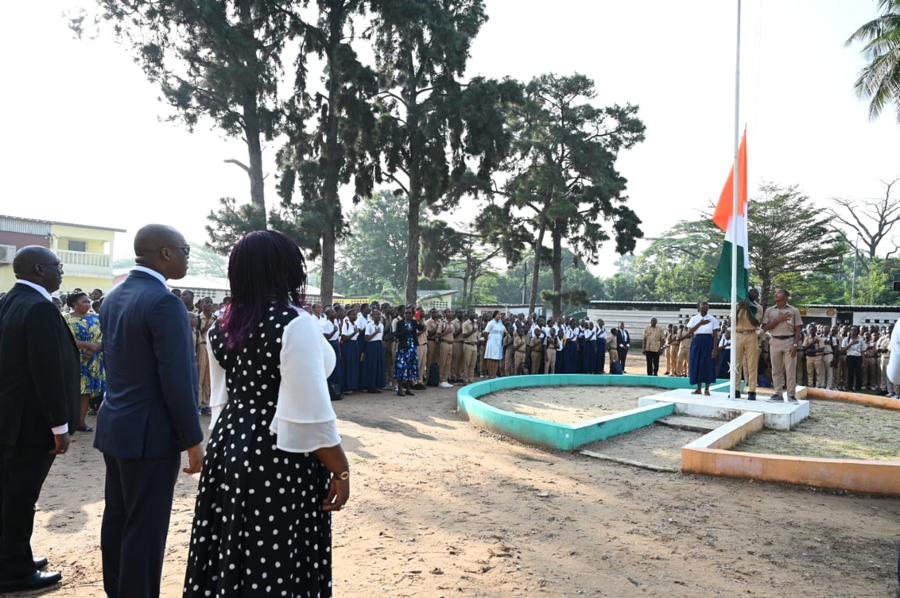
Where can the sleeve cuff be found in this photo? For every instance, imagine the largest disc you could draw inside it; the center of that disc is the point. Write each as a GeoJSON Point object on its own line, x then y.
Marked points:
{"type": "Point", "coordinates": [63, 429]}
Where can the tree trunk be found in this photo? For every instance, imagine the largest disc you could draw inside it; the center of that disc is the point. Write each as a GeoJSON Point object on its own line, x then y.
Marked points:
{"type": "Point", "coordinates": [327, 282]}
{"type": "Point", "coordinates": [415, 183]}
{"type": "Point", "coordinates": [412, 250]}
{"type": "Point", "coordinates": [536, 271]}
{"type": "Point", "coordinates": [556, 267]}
{"type": "Point", "coordinates": [331, 203]}
{"type": "Point", "coordinates": [251, 114]}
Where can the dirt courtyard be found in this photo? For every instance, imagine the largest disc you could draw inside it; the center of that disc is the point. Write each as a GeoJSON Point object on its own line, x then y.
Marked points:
{"type": "Point", "coordinates": [440, 507]}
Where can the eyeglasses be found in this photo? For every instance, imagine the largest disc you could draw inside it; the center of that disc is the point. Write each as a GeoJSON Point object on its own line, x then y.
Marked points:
{"type": "Point", "coordinates": [185, 248]}
{"type": "Point", "coordinates": [57, 265]}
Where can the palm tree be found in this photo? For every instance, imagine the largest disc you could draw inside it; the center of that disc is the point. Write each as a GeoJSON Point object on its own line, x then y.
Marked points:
{"type": "Point", "coordinates": [879, 81]}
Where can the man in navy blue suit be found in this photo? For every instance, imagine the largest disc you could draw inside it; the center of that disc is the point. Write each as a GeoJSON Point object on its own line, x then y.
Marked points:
{"type": "Point", "coordinates": [39, 398]}
{"type": "Point", "coordinates": [149, 416]}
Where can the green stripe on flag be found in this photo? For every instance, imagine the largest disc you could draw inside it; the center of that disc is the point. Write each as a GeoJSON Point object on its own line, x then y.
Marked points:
{"type": "Point", "coordinates": [721, 283]}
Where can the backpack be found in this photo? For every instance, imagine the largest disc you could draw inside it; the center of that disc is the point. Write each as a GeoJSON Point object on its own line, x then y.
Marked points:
{"type": "Point", "coordinates": [434, 375]}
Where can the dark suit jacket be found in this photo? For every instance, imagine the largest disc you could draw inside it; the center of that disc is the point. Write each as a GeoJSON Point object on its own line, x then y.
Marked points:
{"type": "Point", "coordinates": [620, 338]}
{"type": "Point", "coordinates": [40, 373]}
{"type": "Point", "coordinates": [150, 410]}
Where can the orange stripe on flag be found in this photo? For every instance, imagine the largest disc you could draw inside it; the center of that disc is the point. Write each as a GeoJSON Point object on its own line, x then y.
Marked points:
{"type": "Point", "coordinates": [726, 199]}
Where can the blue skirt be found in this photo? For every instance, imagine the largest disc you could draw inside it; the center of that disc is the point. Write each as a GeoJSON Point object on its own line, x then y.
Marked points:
{"type": "Point", "coordinates": [337, 373]}
{"type": "Point", "coordinates": [701, 365]}
{"type": "Point", "coordinates": [373, 366]}
{"type": "Point", "coordinates": [350, 358]}
{"type": "Point", "coordinates": [588, 357]}
{"type": "Point", "coordinates": [601, 356]}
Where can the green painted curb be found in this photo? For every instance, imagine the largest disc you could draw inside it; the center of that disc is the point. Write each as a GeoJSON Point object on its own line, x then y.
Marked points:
{"type": "Point", "coordinates": [563, 436]}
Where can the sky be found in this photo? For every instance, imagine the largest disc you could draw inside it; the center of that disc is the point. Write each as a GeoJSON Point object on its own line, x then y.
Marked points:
{"type": "Point", "coordinates": [85, 142]}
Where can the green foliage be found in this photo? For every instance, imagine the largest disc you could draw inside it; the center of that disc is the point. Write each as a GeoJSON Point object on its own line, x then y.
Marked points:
{"type": "Point", "coordinates": [563, 181]}
{"type": "Point", "coordinates": [373, 255]}
{"type": "Point", "coordinates": [325, 133]}
{"type": "Point", "coordinates": [219, 59]}
{"type": "Point", "coordinates": [792, 245]}
{"type": "Point", "coordinates": [879, 80]}
{"type": "Point", "coordinates": [231, 222]}
{"type": "Point", "coordinates": [428, 122]}
{"type": "Point", "coordinates": [789, 239]}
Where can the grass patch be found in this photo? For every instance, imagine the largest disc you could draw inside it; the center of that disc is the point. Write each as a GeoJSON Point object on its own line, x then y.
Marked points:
{"type": "Point", "coordinates": [834, 430]}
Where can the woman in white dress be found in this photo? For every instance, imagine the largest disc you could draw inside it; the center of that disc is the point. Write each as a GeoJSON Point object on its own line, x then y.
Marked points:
{"type": "Point", "coordinates": [493, 350]}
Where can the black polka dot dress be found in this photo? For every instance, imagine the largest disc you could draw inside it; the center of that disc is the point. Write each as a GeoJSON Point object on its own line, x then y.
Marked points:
{"type": "Point", "coordinates": [259, 529]}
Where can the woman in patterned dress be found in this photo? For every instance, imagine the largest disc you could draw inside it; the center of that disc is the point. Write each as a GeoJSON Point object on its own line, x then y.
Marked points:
{"type": "Point", "coordinates": [274, 467]}
{"type": "Point", "coordinates": [406, 370]}
{"type": "Point", "coordinates": [85, 327]}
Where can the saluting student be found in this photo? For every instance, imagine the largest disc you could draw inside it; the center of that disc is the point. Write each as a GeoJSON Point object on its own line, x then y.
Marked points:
{"type": "Point", "coordinates": [373, 362]}
{"type": "Point", "coordinates": [350, 353]}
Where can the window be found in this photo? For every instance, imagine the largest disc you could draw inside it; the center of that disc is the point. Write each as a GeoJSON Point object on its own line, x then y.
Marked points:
{"type": "Point", "coordinates": [77, 245]}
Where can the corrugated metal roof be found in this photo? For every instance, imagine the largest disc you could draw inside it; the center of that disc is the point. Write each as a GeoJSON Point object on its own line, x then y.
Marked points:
{"type": "Point", "coordinates": [52, 222]}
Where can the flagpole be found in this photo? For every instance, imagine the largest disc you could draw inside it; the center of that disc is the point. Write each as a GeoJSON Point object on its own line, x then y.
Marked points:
{"type": "Point", "coordinates": [734, 210]}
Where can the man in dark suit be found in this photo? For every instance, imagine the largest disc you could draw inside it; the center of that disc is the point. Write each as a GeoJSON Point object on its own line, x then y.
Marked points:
{"type": "Point", "coordinates": [39, 400]}
{"type": "Point", "coordinates": [149, 415]}
{"type": "Point", "coordinates": [623, 343]}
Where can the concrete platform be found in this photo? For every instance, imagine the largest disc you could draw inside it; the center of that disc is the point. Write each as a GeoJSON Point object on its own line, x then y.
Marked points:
{"type": "Point", "coordinates": [778, 416]}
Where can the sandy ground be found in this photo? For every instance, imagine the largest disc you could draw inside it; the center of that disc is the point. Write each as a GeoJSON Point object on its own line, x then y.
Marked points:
{"type": "Point", "coordinates": [442, 508]}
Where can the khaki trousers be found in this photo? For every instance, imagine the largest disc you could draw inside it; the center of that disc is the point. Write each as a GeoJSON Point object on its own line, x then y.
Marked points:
{"type": "Point", "coordinates": [815, 371]}
{"type": "Point", "coordinates": [519, 363]}
{"type": "Point", "coordinates": [550, 361]}
{"type": "Point", "coordinates": [456, 361]}
{"type": "Point", "coordinates": [446, 350]}
{"type": "Point", "coordinates": [840, 374]}
{"type": "Point", "coordinates": [468, 367]}
{"type": "Point", "coordinates": [422, 350]}
{"type": "Point", "coordinates": [784, 367]}
{"type": "Point", "coordinates": [203, 374]}
{"type": "Point", "coordinates": [681, 363]}
{"type": "Point", "coordinates": [827, 361]}
{"type": "Point", "coordinates": [535, 360]}
{"type": "Point", "coordinates": [870, 371]}
{"type": "Point", "coordinates": [747, 357]}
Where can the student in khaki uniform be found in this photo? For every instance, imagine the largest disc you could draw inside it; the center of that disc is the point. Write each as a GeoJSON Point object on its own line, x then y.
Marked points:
{"type": "Point", "coordinates": [870, 362]}
{"type": "Point", "coordinates": [684, 352]}
{"type": "Point", "coordinates": [884, 356]}
{"type": "Point", "coordinates": [746, 342]}
{"type": "Point", "coordinates": [445, 347]}
{"type": "Point", "coordinates": [783, 323]}
{"type": "Point", "coordinates": [832, 348]}
{"type": "Point", "coordinates": [469, 336]}
{"type": "Point", "coordinates": [519, 343]}
{"type": "Point", "coordinates": [612, 348]}
{"type": "Point", "coordinates": [387, 341]}
{"type": "Point", "coordinates": [422, 348]}
{"type": "Point", "coordinates": [672, 343]}
{"type": "Point", "coordinates": [431, 328]}
{"type": "Point", "coordinates": [814, 348]}
{"type": "Point", "coordinates": [550, 342]}
{"type": "Point", "coordinates": [537, 342]}
{"type": "Point", "coordinates": [456, 358]}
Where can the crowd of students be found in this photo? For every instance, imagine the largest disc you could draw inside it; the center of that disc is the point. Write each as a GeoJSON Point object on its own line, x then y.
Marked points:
{"type": "Point", "coordinates": [381, 346]}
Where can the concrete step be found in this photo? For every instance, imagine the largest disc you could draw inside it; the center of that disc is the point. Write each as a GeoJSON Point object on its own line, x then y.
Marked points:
{"type": "Point", "coordinates": [691, 424]}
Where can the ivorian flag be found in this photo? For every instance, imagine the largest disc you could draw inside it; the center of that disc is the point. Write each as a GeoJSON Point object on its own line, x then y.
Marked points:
{"type": "Point", "coordinates": [735, 228]}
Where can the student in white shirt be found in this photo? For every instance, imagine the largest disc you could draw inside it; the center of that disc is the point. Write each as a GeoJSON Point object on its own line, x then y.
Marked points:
{"type": "Point", "coordinates": [372, 377]}
{"type": "Point", "coordinates": [704, 347]}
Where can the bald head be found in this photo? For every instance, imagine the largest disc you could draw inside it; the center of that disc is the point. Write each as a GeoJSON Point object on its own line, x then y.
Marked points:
{"type": "Point", "coordinates": [38, 265]}
{"type": "Point", "coordinates": [163, 249]}
{"type": "Point", "coordinates": [150, 238]}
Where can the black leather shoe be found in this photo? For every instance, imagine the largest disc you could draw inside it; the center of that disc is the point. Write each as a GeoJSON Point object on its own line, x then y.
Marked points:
{"type": "Point", "coordinates": [35, 581]}
{"type": "Point", "coordinates": [40, 564]}
{"type": "Point", "coordinates": [751, 396]}
{"type": "Point", "coordinates": [737, 394]}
